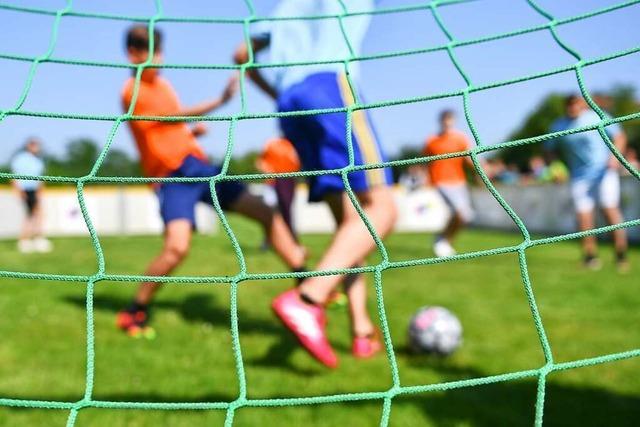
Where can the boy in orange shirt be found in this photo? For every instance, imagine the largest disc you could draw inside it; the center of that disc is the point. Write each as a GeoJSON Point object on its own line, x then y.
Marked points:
{"type": "Point", "coordinates": [448, 176]}
{"type": "Point", "coordinates": [170, 149]}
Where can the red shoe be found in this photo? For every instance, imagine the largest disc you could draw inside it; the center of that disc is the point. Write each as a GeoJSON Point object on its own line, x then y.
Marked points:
{"type": "Point", "coordinates": [367, 346]}
{"type": "Point", "coordinates": [308, 323]}
{"type": "Point", "coordinates": [134, 324]}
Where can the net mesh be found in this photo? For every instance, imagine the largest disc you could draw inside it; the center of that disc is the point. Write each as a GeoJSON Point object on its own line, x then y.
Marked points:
{"type": "Point", "coordinates": [397, 389]}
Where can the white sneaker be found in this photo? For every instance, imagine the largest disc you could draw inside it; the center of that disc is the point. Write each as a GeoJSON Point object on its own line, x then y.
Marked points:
{"type": "Point", "coordinates": [42, 245]}
{"type": "Point", "coordinates": [25, 246]}
{"type": "Point", "coordinates": [442, 248]}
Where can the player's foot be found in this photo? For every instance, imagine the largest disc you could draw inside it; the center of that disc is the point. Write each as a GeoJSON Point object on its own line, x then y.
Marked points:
{"type": "Point", "coordinates": [592, 262]}
{"type": "Point", "coordinates": [307, 322]}
{"type": "Point", "coordinates": [442, 248]}
{"type": "Point", "coordinates": [367, 346]}
{"type": "Point", "coordinates": [622, 263]}
{"type": "Point", "coordinates": [337, 300]}
{"type": "Point", "coordinates": [42, 245]}
{"type": "Point", "coordinates": [134, 323]}
{"type": "Point", "coordinates": [25, 246]}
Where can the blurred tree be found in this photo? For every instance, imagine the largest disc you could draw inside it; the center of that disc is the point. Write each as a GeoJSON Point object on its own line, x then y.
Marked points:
{"type": "Point", "coordinates": [407, 151]}
{"type": "Point", "coordinates": [619, 101]}
{"type": "Point", "coordinates": [538, 122]}
{"type": "Point", "coordinates": [245, 164]}
{"type": "Point", "coordinates": [118, 163]}
{"type": "Point", "coordinates": [80, 156]}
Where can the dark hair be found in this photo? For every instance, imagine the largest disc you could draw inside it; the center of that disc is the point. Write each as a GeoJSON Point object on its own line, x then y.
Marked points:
{"type": "Point", "coordinates": [446, 114]}
{"type": "Point", "coordinates": [138, 38]}
{"type": "Point", "coordinates": [571, 99]}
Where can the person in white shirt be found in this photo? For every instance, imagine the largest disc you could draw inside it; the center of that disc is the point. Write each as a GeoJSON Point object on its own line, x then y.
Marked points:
{"type": "Point", "coordinates": [29, 162]}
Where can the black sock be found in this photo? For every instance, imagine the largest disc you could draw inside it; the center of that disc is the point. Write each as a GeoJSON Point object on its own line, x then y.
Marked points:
{"type": "Point", "coordinates": [305, 298]}
{"type": "Point", "coordinates": [302, 269]}
{"type": "Point", "coordinates": [136, 306]}
{"type": "Point", "coordinates": [621, 256]}
{"type": "Point", "coordinates": [590, 257]}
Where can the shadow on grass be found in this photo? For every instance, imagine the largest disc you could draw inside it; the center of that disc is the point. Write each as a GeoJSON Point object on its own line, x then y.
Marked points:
{"type": "Point", "coordinates": [203, 308]}
{"type": "Point", "coordinates": [509, 403]}
{"type": "Point", "coordinates": [501, 404]}
{"type": "Point", "coordinates": [513, 404]}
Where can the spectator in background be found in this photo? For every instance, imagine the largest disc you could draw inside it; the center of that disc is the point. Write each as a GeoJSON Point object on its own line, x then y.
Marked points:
{"type": "Point", "coordinates": [503, 173]}
{"type": "Point", "coordinates": [29, 162]}
{"type": "Point", "coordinates": [541, 172]}
{"type": "Point", "coordinates": [448, 177]}
{"type": "Point", "coordinates": [279, 156]}
{"type": "Point", "coordinates": [594, 176]}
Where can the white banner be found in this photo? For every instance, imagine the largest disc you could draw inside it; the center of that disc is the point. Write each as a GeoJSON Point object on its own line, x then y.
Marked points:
{"type": "Point", "coordinates": [544, 209]}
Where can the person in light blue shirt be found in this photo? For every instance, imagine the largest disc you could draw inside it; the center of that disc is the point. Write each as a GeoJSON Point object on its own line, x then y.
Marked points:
{"type": "Point", "coordinates": [29, 162]}
{"type": "Point", "coordinates": [594, 175]}
{"type": "Point", "coordinates": [323, 142]}
{"type": "Point", "coordinates": [294, 41]}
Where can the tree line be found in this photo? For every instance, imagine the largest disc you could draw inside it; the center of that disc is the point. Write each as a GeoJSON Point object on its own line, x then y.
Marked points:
{"type": "Point", "coordinates": [81, 154]}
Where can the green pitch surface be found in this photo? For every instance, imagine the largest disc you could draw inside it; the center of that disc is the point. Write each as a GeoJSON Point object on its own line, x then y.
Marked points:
{"type": "Point", "coordinates": [586, 314]}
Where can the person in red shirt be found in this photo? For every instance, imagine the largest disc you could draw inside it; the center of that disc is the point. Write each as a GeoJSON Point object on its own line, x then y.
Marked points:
{"type": "Point", "coordinates": [170, 149]}
{"type": "Point", "coordinates": [449, 178]}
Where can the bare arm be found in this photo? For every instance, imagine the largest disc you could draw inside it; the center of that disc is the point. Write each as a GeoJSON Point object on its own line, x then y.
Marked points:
{"type": "Point", "coordinates": [241, 56]}
{"type": "Point", "coordinates": [207, 106]}
{"type": "Point", "coordinates": [620, 141]}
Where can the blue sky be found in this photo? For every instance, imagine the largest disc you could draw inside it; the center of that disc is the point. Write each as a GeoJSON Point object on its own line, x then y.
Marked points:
{"type": "Point", "coordinates": [496, 112]}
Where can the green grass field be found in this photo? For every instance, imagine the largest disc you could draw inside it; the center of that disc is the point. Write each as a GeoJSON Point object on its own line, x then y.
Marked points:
{"type": "Point", "coordinates": [42, 350]}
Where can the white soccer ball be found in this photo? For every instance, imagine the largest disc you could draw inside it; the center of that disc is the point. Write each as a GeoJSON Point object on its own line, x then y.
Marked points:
{"type": "Point", "coordinates": [435, 330]}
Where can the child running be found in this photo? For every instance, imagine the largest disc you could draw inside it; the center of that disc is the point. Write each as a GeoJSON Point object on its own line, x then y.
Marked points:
{"type": "Point", "coordinates": [448, 176]}
{"type": "Point", "coordinates": [321, 142]}
{"type": "Point", "coordinates": [170, 149]}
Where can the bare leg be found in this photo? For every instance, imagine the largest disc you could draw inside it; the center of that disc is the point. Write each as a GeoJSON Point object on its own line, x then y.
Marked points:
{"type": "Point", "coordinates": [355, 285]}
{"type": "Point", "coordinates": [586, 222]}
{"type": "Point", "coordinates": [614, 216]}
{"type": "Point", "coordinates": [285, 190]}
{"type": "Point", "coordinates": [352, 241]}
{"type": "Point", "coordinates": [177, 240]}
{"type": "Point", "coordinates": [37, 217]}
{"type": "Point", "coordinates": [356, 289]}
{"type": "Point", "coordinates": [25, 230]}
{"type": "Point", "coordinates": [453, 227]}
{"type": "Point", "coordinates": [275, 228]}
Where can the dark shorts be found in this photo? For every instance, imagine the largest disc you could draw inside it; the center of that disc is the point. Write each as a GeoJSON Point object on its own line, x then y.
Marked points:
{"type": "Point", "coordinates": [30, 200]}
{"type": "Point", "coordinates": [321, 139]}
{"type": "Point", "coordinates": [178, 199]}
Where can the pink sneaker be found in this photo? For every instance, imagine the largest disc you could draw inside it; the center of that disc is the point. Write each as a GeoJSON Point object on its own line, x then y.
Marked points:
{"type": "Point", "coordinates": [307, 322]}
{"type": "Point", "coordinates": [365, 347]}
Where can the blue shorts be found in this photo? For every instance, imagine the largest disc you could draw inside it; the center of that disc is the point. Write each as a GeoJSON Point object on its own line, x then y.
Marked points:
{"type": "Point", "coordinates": [178, 199]}
{"type": "Point", "coordinates": [321, 139]}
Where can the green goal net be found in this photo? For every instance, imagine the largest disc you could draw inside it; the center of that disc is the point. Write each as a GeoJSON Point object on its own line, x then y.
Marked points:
{"type": "Point", "coordinates": [385, 397]}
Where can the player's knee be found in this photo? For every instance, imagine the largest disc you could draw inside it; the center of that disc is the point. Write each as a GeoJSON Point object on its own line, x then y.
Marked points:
{"type": "Point", "coordinates": [176, 252]}
{"type": "Point", "coordinates": [385, 203]}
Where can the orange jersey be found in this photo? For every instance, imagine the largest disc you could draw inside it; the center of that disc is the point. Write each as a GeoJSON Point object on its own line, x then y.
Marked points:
{"type": "Point", "coordinates": [278, 156]}
{"type": "Point", "coordinates": [163, 146]}
{"type": "Point", "coordinates": [447, 171]}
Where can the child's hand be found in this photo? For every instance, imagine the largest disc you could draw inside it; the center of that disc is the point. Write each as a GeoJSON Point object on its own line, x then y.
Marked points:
{"type": "Point", "coordinates": [199, 129]}
{"type": "Point", "coordinates": [231, 89]}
